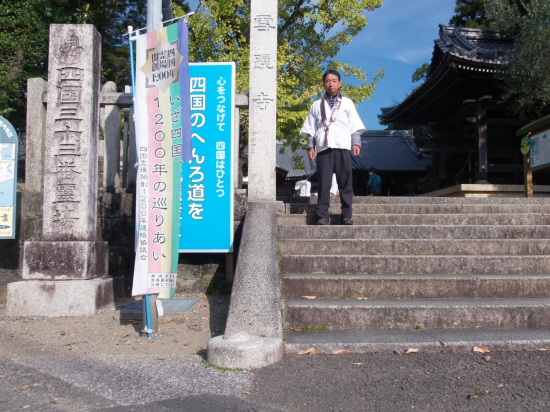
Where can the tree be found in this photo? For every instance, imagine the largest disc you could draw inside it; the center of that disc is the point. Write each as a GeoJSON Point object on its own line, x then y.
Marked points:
{"type": "Point", "coordinates": [526, 75]}
{"type": "Point", "coordinates": [310, 35]}
{"type": "Point", "coordinates": [472, 14]}
{"type": "Point", "coordinates": [24, 32]}
{"type": "Point", "coordinates": [24, 38]}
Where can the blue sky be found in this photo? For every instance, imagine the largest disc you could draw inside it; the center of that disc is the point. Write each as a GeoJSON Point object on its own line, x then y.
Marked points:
{"type": "Point", "coordinates": [398, 37]}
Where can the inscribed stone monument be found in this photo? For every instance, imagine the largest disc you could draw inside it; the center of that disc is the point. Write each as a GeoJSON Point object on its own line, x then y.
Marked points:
{"type": "Point", "coordinates": [69, 249]}
{"type": "Point", "coordinates": [262, 100]}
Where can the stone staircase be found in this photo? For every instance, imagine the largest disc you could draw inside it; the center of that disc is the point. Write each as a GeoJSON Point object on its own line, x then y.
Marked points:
{"type": "Point", "coordinates": [434, 273]}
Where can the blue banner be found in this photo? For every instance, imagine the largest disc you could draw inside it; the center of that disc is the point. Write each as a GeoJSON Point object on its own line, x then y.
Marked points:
{"type": "Point", "coordinates": [207, 180]}
{"type": "Point", "coordinates": [8, 179]}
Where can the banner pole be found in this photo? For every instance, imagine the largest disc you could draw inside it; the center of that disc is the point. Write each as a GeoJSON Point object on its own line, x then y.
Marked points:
{"type": "Point", "coordinates": [145, 299]}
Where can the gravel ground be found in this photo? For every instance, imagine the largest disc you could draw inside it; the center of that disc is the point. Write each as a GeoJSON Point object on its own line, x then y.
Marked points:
{"type": "Point", "coordinates": [106, 334]}
{"type": "Point", "coordinates": [100, 363]}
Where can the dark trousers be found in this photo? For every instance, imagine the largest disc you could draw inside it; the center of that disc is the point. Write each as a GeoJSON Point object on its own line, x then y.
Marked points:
{"type": "Point", "coordinates": [331, 161]}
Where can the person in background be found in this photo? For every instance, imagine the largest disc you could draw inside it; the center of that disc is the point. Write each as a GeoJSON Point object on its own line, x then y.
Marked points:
{"type": "Point", "coordinates": [374, 184]}
{"type": "Point", "coordinates": [334, 186]}
{"type": "Point", "coordinates": [302, 188]}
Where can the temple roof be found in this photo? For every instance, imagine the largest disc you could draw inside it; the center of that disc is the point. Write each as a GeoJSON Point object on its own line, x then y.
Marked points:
{"type": "Point", "coordinates": [390, 150]}
{"type": "Point", "coordinates": [462, 67]}
{"type": "Point", "coordinates": [386, 150]}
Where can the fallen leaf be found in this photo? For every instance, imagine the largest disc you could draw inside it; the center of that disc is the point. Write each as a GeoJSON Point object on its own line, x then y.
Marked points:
{"type": "Point", "coordinates": [69, 344]}
{"type": "Point", "coordinates": [309, 351]}
{"type": "Point", "coordinates": [245, 392]}
{"type": "Point", "coordinates": [487, 358]}
{"type": "Point", "coordinates": [477, 395]}
{"type": "Point", "coordinates": [361, 298]}
{"type": "Point", "coordinates": [309, 297]}
{"type": "Point", "coordinates": [500, 385]}
{"type": "Point", "coordinates": [339, 351]}
{"type": "Point", "coordinates": [199, 306]}
{"type": "Point", "coordinates": [63, 333]}
{"type": "Point", "coordinates": [412, 350]}
{"type": "Point", "coordinates": [543, 349]}
{"type": "Point", "coordinates": [356, 363]}
{"type": "Point", "coordinates": [481, 349]}
{"type": "Point", "coordinates": [205, 317]}
{"type": "Point", "coordinates": [22, 388]}
{"type": "Point", "coordinates": [295, 329]}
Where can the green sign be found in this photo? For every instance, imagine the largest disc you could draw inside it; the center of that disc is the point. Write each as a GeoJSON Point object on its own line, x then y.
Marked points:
{"type": "Point", "coordinates": [8, 179]}
{"type": "Point", "coordinates": [525, 145]}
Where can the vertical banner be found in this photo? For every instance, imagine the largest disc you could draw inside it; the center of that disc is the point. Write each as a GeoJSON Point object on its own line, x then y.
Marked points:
{"type": "Point", "coordinates": [207, 180]}
{"type": "Point", "coordinates": [8, 179]}
{"type": "Point", "coordinates": [163, 141]}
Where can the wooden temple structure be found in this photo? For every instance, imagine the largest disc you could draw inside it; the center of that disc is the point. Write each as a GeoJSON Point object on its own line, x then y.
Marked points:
{"type": "Point", "coordinates": [461, 102]}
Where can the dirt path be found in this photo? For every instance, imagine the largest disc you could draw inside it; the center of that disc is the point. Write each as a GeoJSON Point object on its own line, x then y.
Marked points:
{"type": "Point", "coordinates": [104, 333]}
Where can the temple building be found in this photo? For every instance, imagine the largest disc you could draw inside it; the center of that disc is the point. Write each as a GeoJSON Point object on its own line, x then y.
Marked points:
{"type": "Point", "coordinates": [473, 135]}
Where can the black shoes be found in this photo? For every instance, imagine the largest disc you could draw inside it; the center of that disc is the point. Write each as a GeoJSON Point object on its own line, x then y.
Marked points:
{"type": "Point", "coordinates": [323, 221]}
{"type": "Point", "coordinates": [347, 221]}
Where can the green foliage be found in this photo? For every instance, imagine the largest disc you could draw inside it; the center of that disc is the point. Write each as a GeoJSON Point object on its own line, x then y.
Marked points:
{"type": "Point", "coordinates": [421, 73]}
{"type": "Point", "coordinates": [526, 76]}
{"type": "Point", "coordinates": [310, 35]}
{"type": "Point", "coordinates": [24, 29]}
{"type": "Point", "coordinates": [472, 14]}
{"type": "Point", "coordinates": [24, 38]}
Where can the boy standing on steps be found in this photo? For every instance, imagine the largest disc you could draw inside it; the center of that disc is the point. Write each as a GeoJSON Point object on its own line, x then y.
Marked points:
{"type": "Point", "coordinates": [333, 130]}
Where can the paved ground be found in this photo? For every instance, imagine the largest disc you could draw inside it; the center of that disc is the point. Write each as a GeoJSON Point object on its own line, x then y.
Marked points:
{"type": "Point", "coordinates": [89, 364]}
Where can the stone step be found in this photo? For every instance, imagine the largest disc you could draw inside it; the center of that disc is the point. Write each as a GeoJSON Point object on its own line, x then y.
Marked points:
{"type": "Point", "coordinates": [430, 340]}
{"type": "Point", "coordinates": [426, 219]}
{"type": "Point", "coordinates": [293, 286]}
{"type": "Point", "coordinates": [414, 247]}
{"type": "Point", "coordinates": [408, 314]}
{"type": "Point", "coordinates": [415, 232]}
{"type": "Point", "coordinates": [301, 208]}
{"type": "Point", "coordinates": [393, 200]}
{"type": "Point", "coordinates": [416, 265]}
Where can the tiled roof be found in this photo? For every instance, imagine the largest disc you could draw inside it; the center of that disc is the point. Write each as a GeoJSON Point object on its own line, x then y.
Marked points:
{"type": "Point", "coordinates": [475, 45]}
{"type": "Point", "coordinates": [388, 150]}
{"type": "Point", "coordinates": [385, 150]}
{"type": "Point", "coordinates": [284, 161]}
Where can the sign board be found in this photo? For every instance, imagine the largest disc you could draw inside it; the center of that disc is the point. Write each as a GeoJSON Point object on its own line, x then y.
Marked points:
{"type": "Point", "coordinates": [540, 149]}
{"type": "Point", "coordinates": [207, 181]}
{"type": "Point", "coordinates": [524, 145]}
{"type": "Point", "coordinates": [8, 179]}
{"type": "Point", "coordinates": [163, 142]}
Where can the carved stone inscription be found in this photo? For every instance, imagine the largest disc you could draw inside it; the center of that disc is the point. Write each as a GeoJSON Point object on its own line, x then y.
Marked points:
{"type": "Point", "coordinates": [70, 175]}
{"type": "Point", "coordinates": [263, 100]}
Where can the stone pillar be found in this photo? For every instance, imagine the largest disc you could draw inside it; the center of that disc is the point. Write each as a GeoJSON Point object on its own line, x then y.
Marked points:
{"type": "Point", "coordinates": [69, 250]}
{"type": "Point", "coordinates": [262, 100]}
{"type": "Point", "coordinates": [109, 121]}
{"type": "Point", "coordinates": [36, 129]}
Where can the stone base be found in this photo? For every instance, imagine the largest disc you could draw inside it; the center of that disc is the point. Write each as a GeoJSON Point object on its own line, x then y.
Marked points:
{"type": "Point", "coordinates": [62, 298]}
{"type": "Point", "coordinates": [61, 260]}
{"type": "Point", "coordinates": [242, 350]}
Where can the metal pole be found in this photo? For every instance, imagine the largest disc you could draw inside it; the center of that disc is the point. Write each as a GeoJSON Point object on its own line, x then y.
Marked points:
{"type": "Point", "coordinates": [154, 14]}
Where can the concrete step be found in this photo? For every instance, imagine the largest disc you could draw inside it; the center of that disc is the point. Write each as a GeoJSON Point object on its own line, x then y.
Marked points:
{"type": "Point", "coordinates": [393, 200]}
{"type": "Point", "coordinates": [293, 286]}
{"type": "Point", "coordinates": [426, 219]}
{"type": "Point", "coordinates": [305, 208]}
{"type": "Point", "coordinates": [408, 314]}
{"type": "Point", "coordinates": [416, 265]}
{"type": "Point", "coordinates": [414, 247]}
{"type": "Point", "coordinates": [415, 232]}
{"type": "Point", "coordinates": [431, 340]}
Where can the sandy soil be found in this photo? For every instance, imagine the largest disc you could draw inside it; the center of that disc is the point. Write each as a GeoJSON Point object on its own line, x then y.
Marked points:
{"type": "Point", "coordinates": [105, 333]}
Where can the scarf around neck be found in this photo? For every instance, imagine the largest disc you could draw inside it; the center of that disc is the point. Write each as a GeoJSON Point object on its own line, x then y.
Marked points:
{"type": "Point", "coordinates": [337, 100]}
